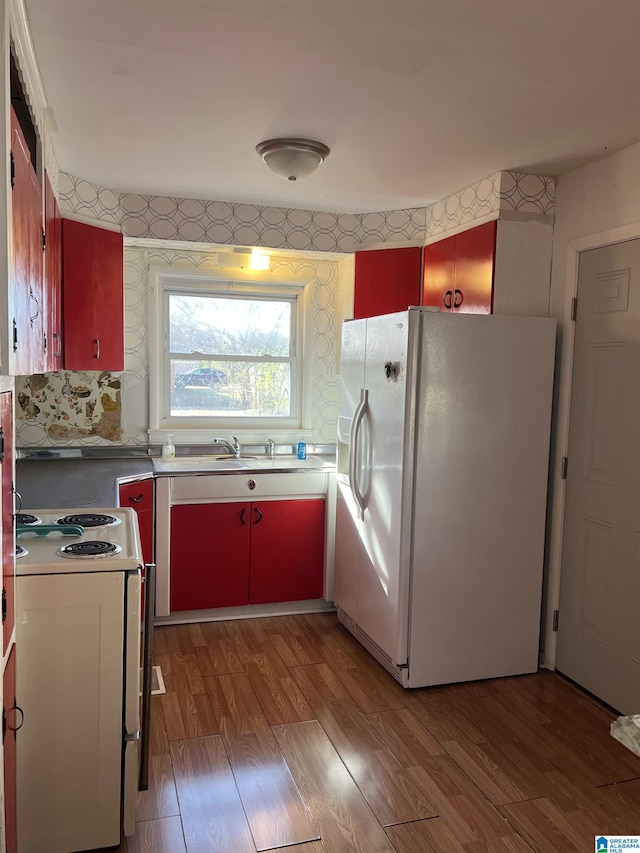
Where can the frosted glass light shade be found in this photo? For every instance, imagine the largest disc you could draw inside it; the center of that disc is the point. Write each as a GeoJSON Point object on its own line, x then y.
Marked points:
{"type": "Point", "coordinates": [292, 159]}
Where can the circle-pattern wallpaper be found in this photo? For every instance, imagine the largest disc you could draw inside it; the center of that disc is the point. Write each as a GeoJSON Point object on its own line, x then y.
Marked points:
{"type": "Point", "coordinates": [184, 220]}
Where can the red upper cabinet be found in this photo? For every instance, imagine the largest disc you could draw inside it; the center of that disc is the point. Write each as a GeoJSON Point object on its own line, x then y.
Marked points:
{"type": "Point", "coordinates": [386, 280]}
{"type": "Point", "coordinates": [438, 274]}
{"type": "Point", "coordinates": [458, 271]}
{"type": "Point", "coordinates": [52, 280]}
{"type": "Point", "coordinates": [26, 291]}
{"type": "Point", "coordinates": [8, 542]}
{"type": "Point", "coordinates": [93, 297]}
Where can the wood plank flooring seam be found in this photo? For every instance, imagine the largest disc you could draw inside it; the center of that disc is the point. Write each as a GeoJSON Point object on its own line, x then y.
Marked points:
{"type": "Point", "coordinates": [617, 782]}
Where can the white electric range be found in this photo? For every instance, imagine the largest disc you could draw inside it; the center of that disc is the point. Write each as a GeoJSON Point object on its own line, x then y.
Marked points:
{"type": "Point", "coordinates": [78, 633]}
{"type": "Point", "coordinates": [105, 539]}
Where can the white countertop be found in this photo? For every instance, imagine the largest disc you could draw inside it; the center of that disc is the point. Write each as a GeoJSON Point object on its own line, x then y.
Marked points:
{"type": "Point", "coordinates": [212, 465]}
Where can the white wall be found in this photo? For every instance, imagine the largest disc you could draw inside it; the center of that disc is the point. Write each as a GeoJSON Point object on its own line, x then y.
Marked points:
{"type": "Point", "coordinates": [596, 198]}
{"type": "Point", "coordinates": [594, 205]}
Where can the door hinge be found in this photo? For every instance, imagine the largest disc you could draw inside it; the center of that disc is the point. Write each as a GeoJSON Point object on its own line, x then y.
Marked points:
{"type": "Point", "coordinates": [13, 170]}
{"type": "Point", "coordinates": [563, 467]}
{"type": "Point", "coordinates": [556, 619]}
{"type": "Point", "coordinates": [4, 604]}
{"type": "Point", "coordinates": [44, 241]}
{"type": "Point", "coordinates": [574, 307]}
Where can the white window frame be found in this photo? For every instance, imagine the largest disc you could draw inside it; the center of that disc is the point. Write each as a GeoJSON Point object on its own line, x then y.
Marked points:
{"type": "Point", "coordinates": [164, 281]}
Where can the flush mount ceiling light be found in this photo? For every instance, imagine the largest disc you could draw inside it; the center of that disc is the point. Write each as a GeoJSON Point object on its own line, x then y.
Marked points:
{"type": "Point", "coordinates": [292, 159]}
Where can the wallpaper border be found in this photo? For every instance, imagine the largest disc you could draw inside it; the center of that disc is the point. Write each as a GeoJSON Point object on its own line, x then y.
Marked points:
{"type": "Point", "coordinates": [227, 223]}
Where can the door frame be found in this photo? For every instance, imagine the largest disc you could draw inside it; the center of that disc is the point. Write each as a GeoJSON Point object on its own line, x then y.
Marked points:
{"type": "Point", "coordinates": [562, 422]}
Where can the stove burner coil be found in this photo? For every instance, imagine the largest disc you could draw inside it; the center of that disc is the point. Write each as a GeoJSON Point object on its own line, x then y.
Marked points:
{"type": "Point", "coordinates": [24, 518]}
{"type": "Point", "coordinates": [89, 519]}
{"type": "Point", "coordinates": [90, 549]}
{"type": "Point", "coordinates": [20, 551]}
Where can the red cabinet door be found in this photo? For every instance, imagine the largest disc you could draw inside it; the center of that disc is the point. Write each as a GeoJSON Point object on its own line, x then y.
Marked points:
{"type": "Point", "coordinates": [52, 279]}
{"type": "Point", "coordinates": [438, 274]}
{"type": "Point", "coordinates": [26, 291]}
{"type": "Point", "coordinates": [287, 550]}
{"type": "Point", "coordinates": [386, 280]}
{"type": "Point", "coordinates": [11, 721]}
{"type": "Point", "coordinates": [8, 542]}
{"type": "Point", "coordinates": [209, 555]}
{"type": "Point", "coordinates": [473, 284]}
{"type": "Point", "coordinates": [139, 496]}
{"type": "Point", "coordinates": [458, 271]}
{"type": "Point", "coordinates": [93, 297]}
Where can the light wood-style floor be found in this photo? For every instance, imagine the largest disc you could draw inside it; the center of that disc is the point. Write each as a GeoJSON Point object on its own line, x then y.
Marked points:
{"type": "Point", "coordinates": [284, 731]}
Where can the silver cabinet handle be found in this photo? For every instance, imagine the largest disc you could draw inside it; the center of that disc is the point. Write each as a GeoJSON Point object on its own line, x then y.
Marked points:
{"type": "Point", "coordinates": [96, 343]}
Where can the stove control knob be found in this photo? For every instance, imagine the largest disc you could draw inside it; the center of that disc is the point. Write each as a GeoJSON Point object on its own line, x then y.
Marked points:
{"type": "Point", "coordinates": [251, 484]}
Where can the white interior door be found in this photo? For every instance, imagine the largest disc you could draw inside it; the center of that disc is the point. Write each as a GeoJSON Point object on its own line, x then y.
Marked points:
{"type": "Point", "coordinates": [599, 624]}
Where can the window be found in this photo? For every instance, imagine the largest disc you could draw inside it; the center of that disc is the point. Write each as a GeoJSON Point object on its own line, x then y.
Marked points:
{"type": "Point", "coordinates": [230, 354]}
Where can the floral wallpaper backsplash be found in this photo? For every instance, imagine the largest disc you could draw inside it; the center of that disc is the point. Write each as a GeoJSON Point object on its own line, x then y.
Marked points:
{"type": "Point", "coordinates": [68, 406]}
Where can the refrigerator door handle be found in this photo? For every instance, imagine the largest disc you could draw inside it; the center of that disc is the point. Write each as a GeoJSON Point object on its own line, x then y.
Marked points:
{"type": "Point", "coordinates": [358, 417]}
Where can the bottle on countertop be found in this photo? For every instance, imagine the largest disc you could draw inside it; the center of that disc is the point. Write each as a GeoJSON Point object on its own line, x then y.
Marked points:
{"type": "Point", "coordinates": [168, 448]}
{"type": "Point", "coordinates": [302, 450]}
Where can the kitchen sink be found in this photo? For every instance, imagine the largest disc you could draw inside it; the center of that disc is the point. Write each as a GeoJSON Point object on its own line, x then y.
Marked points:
{"type": "Point", "coordinates": [213, 464]}
{"type": "Point", "coordinates": [199, 463]}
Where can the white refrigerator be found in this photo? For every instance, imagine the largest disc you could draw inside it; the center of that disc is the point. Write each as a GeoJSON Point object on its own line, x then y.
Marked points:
{"type": "Point", "coordinates": [443, 450]}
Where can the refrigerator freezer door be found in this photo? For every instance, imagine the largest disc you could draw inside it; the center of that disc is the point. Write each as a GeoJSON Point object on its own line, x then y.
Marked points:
{"type": "Point", "coordinates": [351, 374]}
{"type": "Point", "coordinates": [381, 614]}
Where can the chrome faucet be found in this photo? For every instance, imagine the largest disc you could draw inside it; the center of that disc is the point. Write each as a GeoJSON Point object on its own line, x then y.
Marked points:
{"type": "Point", "coordinates": [236, 446]}
{"type": "Point", "coordinates": [230, 447]}
{"type": "Point", "coordinates": [272, 447]}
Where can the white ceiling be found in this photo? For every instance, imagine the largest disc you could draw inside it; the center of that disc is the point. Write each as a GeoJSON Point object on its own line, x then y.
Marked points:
{"type": "Point", "coordinates": [415, 98]}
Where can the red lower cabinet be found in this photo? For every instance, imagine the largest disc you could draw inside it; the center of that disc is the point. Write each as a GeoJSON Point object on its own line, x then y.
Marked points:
{"type": "Point", "coordinates": [139, 496]}
{"type": "Point", "coordinates": [209, 555]}
{"type": "Point", "coordinates": [11, 721]}
{"type": "Point", "coordinates": [246, 553]}
{"type": "Point", "coordinates": [287, 551]}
